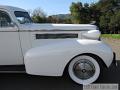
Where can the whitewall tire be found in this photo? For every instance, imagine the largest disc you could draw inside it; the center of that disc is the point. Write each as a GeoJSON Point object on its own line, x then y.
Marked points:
{"type": "Point", "coordinates": [84, 70]}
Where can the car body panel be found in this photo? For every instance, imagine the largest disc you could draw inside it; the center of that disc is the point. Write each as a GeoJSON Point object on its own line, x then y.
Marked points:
{"type": "Point", "coordinates": [51, 59]}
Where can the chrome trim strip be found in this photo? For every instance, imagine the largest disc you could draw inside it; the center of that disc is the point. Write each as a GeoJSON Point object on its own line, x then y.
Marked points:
{"type": "Point", "coordinates": [42, 30]}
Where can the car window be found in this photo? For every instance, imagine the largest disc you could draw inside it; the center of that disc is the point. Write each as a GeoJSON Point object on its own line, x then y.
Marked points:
{"type": "Point", "coordinates": [23, 17]}
{"type": "Point", "coordinates": [4, 19]}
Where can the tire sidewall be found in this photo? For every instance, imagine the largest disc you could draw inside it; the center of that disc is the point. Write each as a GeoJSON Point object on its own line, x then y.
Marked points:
{"type": "Point", "coordinates": [78, 80]}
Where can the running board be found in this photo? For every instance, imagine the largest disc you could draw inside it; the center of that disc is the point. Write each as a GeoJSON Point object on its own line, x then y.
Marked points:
{"type": "Point", "coordinates": [12, 69]}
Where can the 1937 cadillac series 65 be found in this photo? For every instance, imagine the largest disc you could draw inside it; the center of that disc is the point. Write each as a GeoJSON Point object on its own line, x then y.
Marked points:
{"type": "Point", "coordinates": [50, 49]}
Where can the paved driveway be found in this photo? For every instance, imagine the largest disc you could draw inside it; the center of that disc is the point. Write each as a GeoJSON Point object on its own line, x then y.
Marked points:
{"type": "Point", "coordinates": [28, 82]}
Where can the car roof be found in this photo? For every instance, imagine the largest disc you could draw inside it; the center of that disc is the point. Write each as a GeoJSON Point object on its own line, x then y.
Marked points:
{"type": "Point", "coordinates": [11, 8]}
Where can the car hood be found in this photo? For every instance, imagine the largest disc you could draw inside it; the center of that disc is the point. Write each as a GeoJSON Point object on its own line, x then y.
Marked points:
{"type": "Point", "coordinates": [33, 26]}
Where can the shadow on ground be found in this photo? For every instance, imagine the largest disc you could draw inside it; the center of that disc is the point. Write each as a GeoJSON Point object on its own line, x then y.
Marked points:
{"type": "Point", "coordinates": [28, 82]}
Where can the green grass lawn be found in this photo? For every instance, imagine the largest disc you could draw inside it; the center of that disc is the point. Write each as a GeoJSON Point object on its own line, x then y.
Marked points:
{"type": "Point", "coordinates": [114, 36]}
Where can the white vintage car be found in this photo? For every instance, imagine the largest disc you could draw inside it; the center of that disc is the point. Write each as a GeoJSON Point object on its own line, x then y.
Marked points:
{"type": "Point", "coordinates": [50, 49]}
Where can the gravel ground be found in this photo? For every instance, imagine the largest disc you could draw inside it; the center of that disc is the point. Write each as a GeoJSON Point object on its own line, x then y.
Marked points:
{"type": "Point", "coordinates": [115, 44]}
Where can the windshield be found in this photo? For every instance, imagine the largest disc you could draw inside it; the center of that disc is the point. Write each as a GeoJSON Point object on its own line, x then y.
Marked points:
{"type": "Point", "coordinates": [23, 17]}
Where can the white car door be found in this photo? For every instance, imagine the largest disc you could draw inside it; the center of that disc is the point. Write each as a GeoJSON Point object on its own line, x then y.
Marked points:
{"type": "Point", "coordinates": [10, 49]}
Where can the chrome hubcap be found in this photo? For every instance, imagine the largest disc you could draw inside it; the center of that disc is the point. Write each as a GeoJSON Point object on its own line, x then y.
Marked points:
{"type": "Point", "coordinates": [84, 69]}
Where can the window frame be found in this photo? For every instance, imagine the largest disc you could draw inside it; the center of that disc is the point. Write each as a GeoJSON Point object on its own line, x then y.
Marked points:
{"type": "Point", "coordinates": [16, 12]}
{"type": "Point", "coordinates": [9, 18]}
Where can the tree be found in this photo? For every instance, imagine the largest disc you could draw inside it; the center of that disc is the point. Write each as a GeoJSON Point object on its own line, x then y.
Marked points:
{"type": "Point", "coordinates": [104, 24]}
{"type": "Point", "coordinates": [54, 19]}
{"type": "Point", "coordinates": [80, 13]}
{"type": "Point", "coordinates": [38, 16]}
{"type": "Point", "coordinates": [83, 13]}
{"type": "Point", "coordinates": [75, 12]}
{"type": "Point", "coordinates": [115, 23]}
{"type": "Point", "coordinates": [109, 15]}
{"type": "Point", "coordinates": [86, 13]}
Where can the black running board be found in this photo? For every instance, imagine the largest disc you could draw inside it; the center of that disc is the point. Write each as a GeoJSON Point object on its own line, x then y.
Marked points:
{"type": "Point", "coordinates": [12, 69]}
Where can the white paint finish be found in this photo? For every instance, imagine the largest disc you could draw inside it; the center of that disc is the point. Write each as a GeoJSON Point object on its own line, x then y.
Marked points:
{"type": "Point", "coordinates": [8, 29]}
{"type": "Point", "coordinates": [10, 50]}
{"type": "Point", "coordinates": [25, 39]}
{"type": "Point", "coordinates": [92, 34]}
{"type": "Point", "coordinates": [11, 8]}
{"type": "Point", "coordinates": [49, 27]}
{"type": "Point", "coordinates": [51, 59]}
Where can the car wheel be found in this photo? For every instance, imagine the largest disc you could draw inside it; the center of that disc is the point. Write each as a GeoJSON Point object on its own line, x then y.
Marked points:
{"type": "Point", "coordinates": [84, 70]}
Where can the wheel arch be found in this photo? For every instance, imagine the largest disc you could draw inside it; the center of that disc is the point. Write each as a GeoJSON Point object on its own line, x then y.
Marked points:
{"type": "Point", "coordinates": [96, 57]}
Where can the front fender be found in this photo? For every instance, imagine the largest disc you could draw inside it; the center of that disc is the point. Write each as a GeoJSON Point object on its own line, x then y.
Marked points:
{"type": "Point", "coordinates": [51, 59]}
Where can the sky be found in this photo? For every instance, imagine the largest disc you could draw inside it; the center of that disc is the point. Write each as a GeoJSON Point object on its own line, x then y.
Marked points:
{"type": "Point", "coordinates": [50, 7]}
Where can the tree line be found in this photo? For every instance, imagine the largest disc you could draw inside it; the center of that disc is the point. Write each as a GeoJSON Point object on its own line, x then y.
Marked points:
{"type": "Point", "coordinates": [105, 14]}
